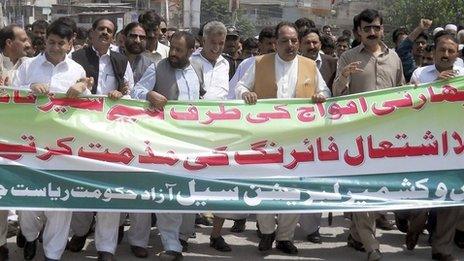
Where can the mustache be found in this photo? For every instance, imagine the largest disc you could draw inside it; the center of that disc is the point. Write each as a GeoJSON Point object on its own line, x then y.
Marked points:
{"type": "Point", "coordinates": [372, 37]}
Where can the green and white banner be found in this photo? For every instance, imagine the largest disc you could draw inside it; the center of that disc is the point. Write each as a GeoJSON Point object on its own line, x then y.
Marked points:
{"type": "Point", "coordinates": [398, 148]}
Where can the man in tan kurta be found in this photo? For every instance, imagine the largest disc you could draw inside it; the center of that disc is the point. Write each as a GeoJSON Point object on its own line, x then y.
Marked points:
{"type": "Point", "coordinates": [367, 67]}
{"type": "Point", "coordinates": [281, 75]}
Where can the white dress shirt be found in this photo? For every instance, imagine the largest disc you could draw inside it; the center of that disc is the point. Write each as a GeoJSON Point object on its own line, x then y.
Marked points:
{"type": "Point", "coordinates": [239, 73]}
{"type": "Point", "coordinates": [286, 77]}
{"type": "Point", "coordinates": [106, 78]}
{"type": "Point", "coordinates": [215, 77]}
{"type": "Point", "coordinates": [161, 52]}
{"type": "Point", "coordinates": [58, 77]}
{"type": "Point", "coordinates": [430, 73]}
{"type": "Point", "coordinates": [8, 69]}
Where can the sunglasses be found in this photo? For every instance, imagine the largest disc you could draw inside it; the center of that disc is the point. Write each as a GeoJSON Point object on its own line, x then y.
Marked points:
{"type": "Point", "coordinates": [368, 28]}
{"type": "Point", "coordinates": [135, 36]}
{"type": "Point", "coordinates": [164, 30]}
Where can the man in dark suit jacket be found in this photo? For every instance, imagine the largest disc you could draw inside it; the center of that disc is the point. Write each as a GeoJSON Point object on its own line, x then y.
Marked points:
{"type": "Point", "coordinates": [310, 46]}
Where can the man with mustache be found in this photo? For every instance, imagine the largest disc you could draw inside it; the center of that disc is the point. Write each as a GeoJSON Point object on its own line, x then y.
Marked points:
{"type": "Point", "coordinates": [112, 76]}
{"type": "Point", "coordinates": [283, 75]}
{"type": "Point", "coordinates": [310, 46]}
{"type": "Point", "coordinates": [175, 78]}
{"type": "Point", "coordinates": [367, 67]}
{"type": "Point", "coordinates": [445, 55]}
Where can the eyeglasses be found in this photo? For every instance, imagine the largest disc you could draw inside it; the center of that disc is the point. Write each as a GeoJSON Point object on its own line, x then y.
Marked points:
{"type": "Point", "coordinates": [135, 36]}
{"type": "Point", "coordinates": [368, 28]}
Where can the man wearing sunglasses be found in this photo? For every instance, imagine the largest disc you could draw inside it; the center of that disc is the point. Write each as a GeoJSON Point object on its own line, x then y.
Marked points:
{"type": "Point", "coordinates": [367, 67]}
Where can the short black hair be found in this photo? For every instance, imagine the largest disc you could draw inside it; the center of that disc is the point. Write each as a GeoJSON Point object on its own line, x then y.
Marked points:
{"type": "Point", "coordinates": [347, 33]}
{"type": "Point", "coordinates": [356, 23]}
{"type": "Point", "coordinates": [96, 22]}
{"type": "Point", "coordinates": [250, 43]}
{"type": "Point", "coordinates": [304, 22]}
{"type": "Point", "coordinates": [423, 35]}
{"type": "Point", "coordinates": [305, 31]}
{"type": "Point", "coordinates": [327, 41]}
{"type": "Point", "coordinates": [61, 29]}
{"type": "Point", "coordinates": [7, 33]}
{"type": "Point", "coordinates": [282, 24]}
{"type": "Point", "coordinates": [397, 32]}
{"type": "Point", "coordinates": [42, 24]}
{"type": "Point", "coordinates": [82, 33]}
{"type": "Point", "coordinates": [131, 26]}
{"type": "Point", "coordinates": [150, 19]}
{"type": "Point", "coordinates": [188, 37]}
{"type": "Point", "coordinates": [343, 39]}
{"type": "Point", "coordinates": [267, 32]}
{"type": "Point", "coordinates": [68, 21]}
{"type": "Point", "coordinates": [369, 15]}
{"type": "Point", "coordinates": [444, 34]}
{"type": "Point", "coordinates": [326, 26]}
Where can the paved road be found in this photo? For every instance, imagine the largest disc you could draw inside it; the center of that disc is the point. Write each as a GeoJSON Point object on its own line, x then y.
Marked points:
{"type": "Point", "coordinates": [244, 246]}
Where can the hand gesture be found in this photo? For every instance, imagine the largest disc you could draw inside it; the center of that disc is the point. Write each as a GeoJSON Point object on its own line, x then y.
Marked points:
{"type": "Point", "coordinates": [250, 97]}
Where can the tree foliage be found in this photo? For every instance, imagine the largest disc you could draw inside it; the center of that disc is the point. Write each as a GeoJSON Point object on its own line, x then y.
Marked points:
{"type": "Point", "coordinates": [409, 12]}
{"type": "Point", "coordinates": [218, 10]}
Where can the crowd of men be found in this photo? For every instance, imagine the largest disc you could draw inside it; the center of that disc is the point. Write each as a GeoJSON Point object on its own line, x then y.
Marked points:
{"type": "Point", "coordinates": [148, 61]}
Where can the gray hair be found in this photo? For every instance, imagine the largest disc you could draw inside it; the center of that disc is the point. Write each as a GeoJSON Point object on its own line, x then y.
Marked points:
{"type": "Point", "coordinates": [214, 28]}
{"type": "Point", "coordinates": [461, 36]}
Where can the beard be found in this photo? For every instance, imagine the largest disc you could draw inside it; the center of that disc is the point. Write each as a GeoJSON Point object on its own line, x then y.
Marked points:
{"type": "Point", "coordinates": [135, 48]}
{"type": "Point", "coordinates": [177, 63]}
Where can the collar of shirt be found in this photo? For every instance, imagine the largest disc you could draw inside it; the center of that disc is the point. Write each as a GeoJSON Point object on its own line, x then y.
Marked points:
{"type": "Point", "coordinates": [385, 49]}
{"type": "Point", "coordinates": [433, 69]}
{"type": "Point", "coordinates": [44, 61]}
{"type": "Point", "coordinates": [318, 60]}
{"type": "Point", "coordinates": [218, 60]}
{"type": "Point", "coordinates": [285, 63]}
{"type": "Point", "coordinates": [101, 55]}
{"type": "Point", "coordinates": [160, 48]}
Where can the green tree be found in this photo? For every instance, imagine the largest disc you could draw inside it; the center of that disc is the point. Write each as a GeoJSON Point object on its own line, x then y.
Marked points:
{"type": "Point", "coordinates": [409, 12]}
{"type": "Point", "coordinates": [218, 10]}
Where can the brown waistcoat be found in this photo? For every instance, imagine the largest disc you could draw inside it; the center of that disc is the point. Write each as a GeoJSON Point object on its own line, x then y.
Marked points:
{"type": "Point", "coordinates": [265, 78]}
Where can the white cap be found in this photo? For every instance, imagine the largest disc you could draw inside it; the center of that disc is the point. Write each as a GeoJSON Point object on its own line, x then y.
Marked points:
{"type": "Point", "coordinates": [451, 27]}
{"type": "Point", "coordinates": [436, 30]}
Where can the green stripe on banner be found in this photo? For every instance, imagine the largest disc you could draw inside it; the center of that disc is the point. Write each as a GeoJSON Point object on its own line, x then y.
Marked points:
{"type": "Point", "coordinates": [23, 188]}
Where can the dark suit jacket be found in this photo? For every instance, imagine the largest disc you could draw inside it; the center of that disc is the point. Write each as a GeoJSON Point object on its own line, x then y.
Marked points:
{"type": "Point", "coordinates": [328, 69]}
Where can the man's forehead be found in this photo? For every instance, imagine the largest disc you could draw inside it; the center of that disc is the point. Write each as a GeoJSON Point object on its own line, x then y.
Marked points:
{"type": "Point", "coordinates": [105, 23]}
{"type": "Point", "coordinates": [447, 41]}
{"type": "Point", "coordinates": [287, 30]}
{"type": "Point", "coordinates": [138, 30]}
{"type": "Point", "coordinates": [312, 36]}
{"type": "Point", "coordinates": [376, 21]}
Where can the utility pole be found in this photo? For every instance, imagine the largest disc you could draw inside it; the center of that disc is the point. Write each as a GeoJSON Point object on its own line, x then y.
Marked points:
{"type": "Point", "coordinates": [2, 22]}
